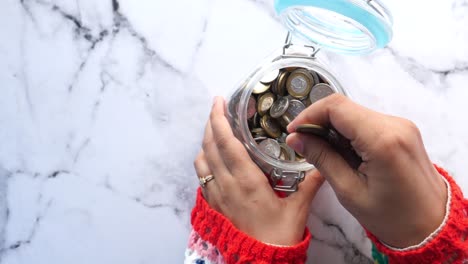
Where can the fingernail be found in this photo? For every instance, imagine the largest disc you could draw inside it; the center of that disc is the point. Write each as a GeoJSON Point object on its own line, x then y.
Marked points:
{"type": "Point", "coordinates": [290, 128]}
{"type": "Point", "coordinates": [297, 145]}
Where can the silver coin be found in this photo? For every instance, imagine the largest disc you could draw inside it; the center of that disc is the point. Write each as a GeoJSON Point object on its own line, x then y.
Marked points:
{"type": "Point", "coordinates": [260, 138]}
{"type": "Point", "coordinates": [270, 77]}
{"type": "Point", "coordinates": [288, 152]}
{"type": "Point", "coordinates": [282, 138]}
{"type": "Point", "coordinates": [320, 91]}
{"type": "Point", "coordinates": [315, 76]}
{"type": "Point", "coordinates": [295, 108]}
{"type": "Point", "coordinates": [270, 147]}
{"type": "Point", "coordinates": [279, 107]}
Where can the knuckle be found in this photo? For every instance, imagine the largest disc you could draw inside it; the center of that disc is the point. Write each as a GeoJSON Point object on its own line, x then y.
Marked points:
{"type": "Point", "coordinates": [223, 142]}
{"type": "Point", "coordinates": [410, 128]}
{"type": "Point", "coordinates": [401, 136]}
{"type": "Point", "coordinates": [207, 143]}
{"type": "Point", "coordinates": [337, 99]}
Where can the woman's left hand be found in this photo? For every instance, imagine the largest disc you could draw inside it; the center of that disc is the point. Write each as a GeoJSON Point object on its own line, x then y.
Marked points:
{"type": "Point", "coordinates": [241, 192]}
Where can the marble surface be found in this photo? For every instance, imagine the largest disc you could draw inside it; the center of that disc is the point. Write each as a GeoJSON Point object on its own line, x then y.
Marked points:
{"type": "Point", "coordinates": [103, 105]}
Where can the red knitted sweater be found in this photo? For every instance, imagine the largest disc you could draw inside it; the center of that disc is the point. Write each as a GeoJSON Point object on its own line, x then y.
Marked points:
{"type": "Point", "coordinates": [449, 246]}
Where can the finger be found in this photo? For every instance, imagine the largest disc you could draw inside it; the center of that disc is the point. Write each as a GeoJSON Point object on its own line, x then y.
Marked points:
{"type": "Point", "coordinates": [348, 118]}
{"type": "Point", "coordinates": [214, 159]}
{"type": "Point", "coordinates": [211, 190]}
{"type": "Point", "coordinates": [342, 178]}
{"type": "Point", "coordinates": [307, 189]}
{"type": "Point", "coordinates": [234, 154]}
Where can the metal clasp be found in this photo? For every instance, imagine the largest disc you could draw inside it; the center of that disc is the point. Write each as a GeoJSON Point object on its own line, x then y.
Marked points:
{"type": "Point", "coordinates": [288, 43]}
{"type": "Point", "coordinates": [286, 181]}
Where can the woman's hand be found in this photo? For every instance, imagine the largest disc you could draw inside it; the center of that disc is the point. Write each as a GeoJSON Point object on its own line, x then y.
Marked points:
{"type": "Point", "coordinates": [241, 191]}
{"type": "Point", "coordinates": [396, 193]}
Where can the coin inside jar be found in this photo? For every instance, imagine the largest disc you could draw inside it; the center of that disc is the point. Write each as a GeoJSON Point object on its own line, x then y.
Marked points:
{"type": "Point", "coordinates": [279, 97]}
{"type": "Point", "coordinates": [280, 84]}
{"type": "Point", "coordinates": [287, 152]}
{"type": "Point", "coordinates": [251, 105]}
{"type": "Point", "coordinates": [270, 77]}
{"type": "Point", "coordinates": [270, 147]}
{"type": "Point", "coordinates": [300, 83]}
{"type": "Point", "coordinates": [260, 88]}
{"type": "Point", "coordinates": [320, 91]}
{"type": "Point", "coordinates": [265, 102]}
{"type": "Point", "coordinates": [270, 126]}
{"type": "Point", "coordinates": [279, 107]}
{"type": "Point", "coordinates": [294, 109]}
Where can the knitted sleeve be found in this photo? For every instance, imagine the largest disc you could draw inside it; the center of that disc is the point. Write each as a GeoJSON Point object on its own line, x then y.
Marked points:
{"type": "Point", "coordinates": [448, 244]}
{"type": "Point", "coordinates": [215, 239]}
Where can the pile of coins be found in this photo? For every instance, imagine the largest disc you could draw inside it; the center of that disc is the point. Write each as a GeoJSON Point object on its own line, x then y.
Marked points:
{"type": "Point", "coordinates": [275, 101]}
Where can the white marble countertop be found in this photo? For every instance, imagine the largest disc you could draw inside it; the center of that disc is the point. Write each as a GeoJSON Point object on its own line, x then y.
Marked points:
{"type": "Point", "coordinates": [103, 106]}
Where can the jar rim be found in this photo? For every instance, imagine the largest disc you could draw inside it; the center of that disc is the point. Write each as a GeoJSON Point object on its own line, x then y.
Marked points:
{"type": "Point", "coordinates": [343, 26]}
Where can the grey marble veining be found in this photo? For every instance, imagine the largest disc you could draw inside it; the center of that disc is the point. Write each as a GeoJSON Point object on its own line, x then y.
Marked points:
{"type": "Point", "coordinates": [104, 103]}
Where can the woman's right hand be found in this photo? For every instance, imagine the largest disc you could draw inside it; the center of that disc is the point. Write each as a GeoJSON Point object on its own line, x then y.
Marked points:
{"type": "Point", "coordinates": [396, 193]}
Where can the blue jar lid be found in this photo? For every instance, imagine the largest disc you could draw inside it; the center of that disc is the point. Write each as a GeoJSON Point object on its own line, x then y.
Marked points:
{"type": "Point", "coordinates": [345, 26]}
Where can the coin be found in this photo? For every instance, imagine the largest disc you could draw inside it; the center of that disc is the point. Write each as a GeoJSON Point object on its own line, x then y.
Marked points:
{"type": "Point", "coordinates": [280, 83]}
{"type": "Point", "coordinates": [258, 132]}
{"type": "Point", "coordinates": [306, 101]}
{"type": "Point", "coordinates": [279, 107]}
{"type": "Point", "coordinates": [270, 77]}
{"type": "Point", "coordinates": [320, 91]}
{"type": "Point", "coordinates": [270, 126]}
{"type": "Point", "coordinates": [270, 147]}
{"type": "Point", "coordinates": [288, 152]}
{"type": "Point", "coordinates": [300, 83]}
{"type": "Point", "coordinates": [294, 109]}
{"type": "Point", "coordinates": [315, 77]}
{"type": "Point", "coordinates": [256, 120]}
{"type": "Point", "coordinates": [282, 138]}
{"type": "Point", "coordinates": [260, 88]}
{"type": "Point", "coordinates": [336, 140]}
{"type": "Point", "coordinates": [251, 107]}
{"type": "Point", "coordinates": [313, 129]}
{"type": "Point", "coordinates": [284, 121]}
{"type": "Point", "coordinates": [264, 103]}
{"type": "Point", "coordinates": [257, 139]}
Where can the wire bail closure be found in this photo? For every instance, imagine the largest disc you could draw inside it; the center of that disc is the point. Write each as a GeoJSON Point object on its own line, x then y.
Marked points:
{"type": "Point", "coordinates": [288, 43]}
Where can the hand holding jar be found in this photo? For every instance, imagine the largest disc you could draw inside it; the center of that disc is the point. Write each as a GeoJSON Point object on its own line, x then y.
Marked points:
{"type": "Point", "coordinates": [240, 191]}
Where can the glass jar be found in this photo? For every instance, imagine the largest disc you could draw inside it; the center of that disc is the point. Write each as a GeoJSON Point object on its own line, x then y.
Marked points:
{"type": "Point", "coordinates": [344, 26]}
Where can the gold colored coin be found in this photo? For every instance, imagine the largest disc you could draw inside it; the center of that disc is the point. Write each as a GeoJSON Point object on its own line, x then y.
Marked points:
{"type": "Point", "coordinates": [284, 120]}
{"type": "Point", "coordinates": [260, 88]}
{"type": "Point", "coordinates": [265, 102]}
{"type": "Point", "coordinates": [288, 152]}
{"type": "Point", "coordinates": [258, 132]}
{"type": "Point", "coordinates": [300, 83]}
{"type": "Point", "coordinates": [270, 126]}
{"type": "Point", "coordinates": [281, 83]}
{"type": "Point", "coordinates": [314, 130]}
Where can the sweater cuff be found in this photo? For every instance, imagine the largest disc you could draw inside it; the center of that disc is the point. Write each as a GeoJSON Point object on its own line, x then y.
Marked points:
{"type": "Point", "coordinates": [238, 247]}
{"type": "Point", "coordinates": [448, 244]}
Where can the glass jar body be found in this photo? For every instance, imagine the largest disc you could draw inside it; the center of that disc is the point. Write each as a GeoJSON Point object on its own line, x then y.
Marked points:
{"type": "Point", "coordinates": [284, 175]}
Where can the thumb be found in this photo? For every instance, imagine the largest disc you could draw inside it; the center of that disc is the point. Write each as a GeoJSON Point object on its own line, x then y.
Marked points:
{"type": "Point", "coordinates": [331, 165]}
{"type": "Point", "coordinates": [307, 189]}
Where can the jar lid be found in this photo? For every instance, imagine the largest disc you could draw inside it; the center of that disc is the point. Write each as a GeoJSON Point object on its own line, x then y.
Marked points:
{"type": "Point", "coordinates": [345, 26]}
